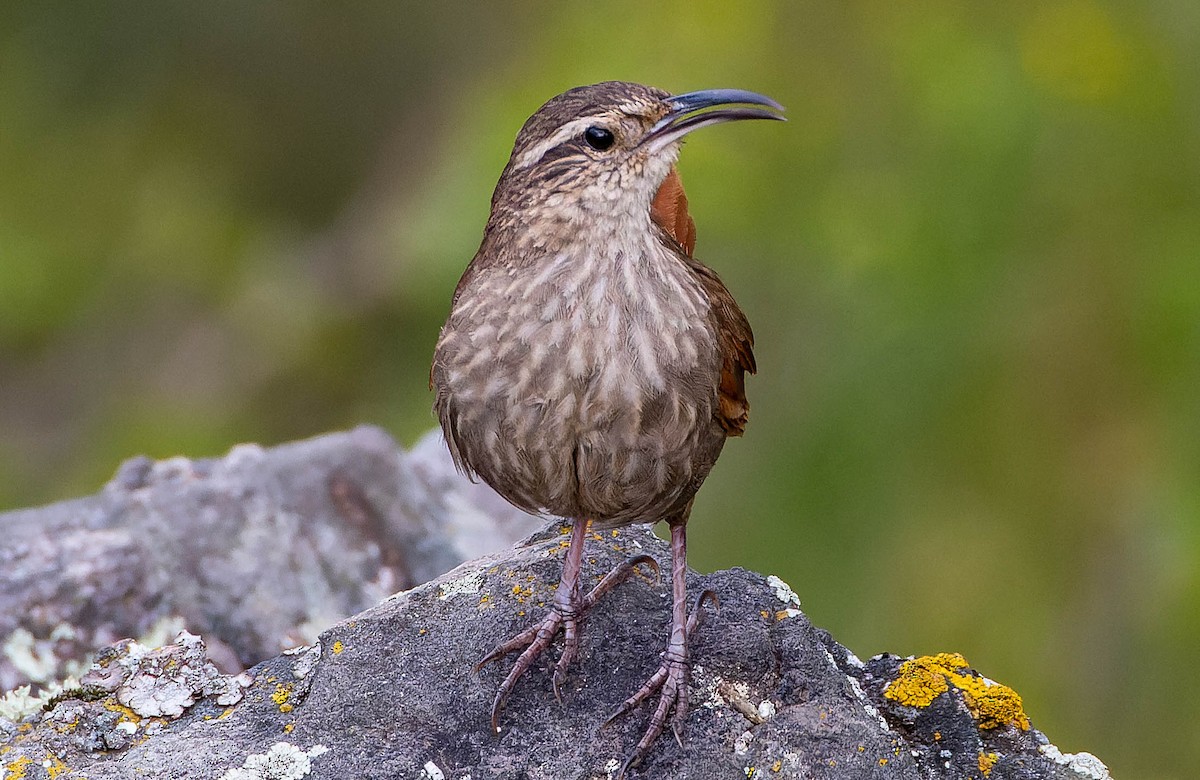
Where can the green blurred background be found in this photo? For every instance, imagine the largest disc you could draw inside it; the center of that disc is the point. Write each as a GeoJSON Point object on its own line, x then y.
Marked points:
{"type": "Point", "coordinates": [972, 259]}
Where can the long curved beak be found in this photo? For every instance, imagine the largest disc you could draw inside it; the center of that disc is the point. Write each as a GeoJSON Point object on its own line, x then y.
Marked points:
{"type": "Point", "coordinates": [694, 110]}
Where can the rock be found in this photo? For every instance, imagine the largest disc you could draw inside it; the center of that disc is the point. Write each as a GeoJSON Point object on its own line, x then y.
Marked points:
{"type": "Point", "coordinates": [258, 551]}
{"type": "Point", "coordinates": [390, 693]}
{"type": "Point", "coordinates": [266, 548]}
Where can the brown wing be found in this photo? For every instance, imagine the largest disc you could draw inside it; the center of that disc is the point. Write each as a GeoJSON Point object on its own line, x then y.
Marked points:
{"type": "Point", "coordinates": [669, 210]}
{"type": "Point", "coordinates": [736, 342]}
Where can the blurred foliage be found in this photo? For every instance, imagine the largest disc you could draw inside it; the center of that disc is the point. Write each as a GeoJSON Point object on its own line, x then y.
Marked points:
{"type": "Point", "coordinates": [972, 259]}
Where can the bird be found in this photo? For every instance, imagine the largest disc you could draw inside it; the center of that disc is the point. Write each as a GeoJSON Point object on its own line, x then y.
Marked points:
{"type": "Point", "coordinates": [591, 367]}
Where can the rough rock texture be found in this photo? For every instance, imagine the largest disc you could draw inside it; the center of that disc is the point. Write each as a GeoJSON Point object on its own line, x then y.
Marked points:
{"type": "Point", "coordinates": [389, 692]}
{"type": "Point", "coordinates": [258, 551]}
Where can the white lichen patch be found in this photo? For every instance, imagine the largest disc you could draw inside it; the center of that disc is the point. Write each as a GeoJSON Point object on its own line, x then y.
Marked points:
{"type": "Point", "coordinates": [165, 681]}
{"type": "Point", "coordinates": [766, 709]}
{"type": "Point", "coordinates": [19, 704]}
{"type": "Point", "coordinates": [63, 631]}
{"type": "Point", "coordinates": [1082, 764]}
{"type": "Point", "coordinates": [466, 585]}
{"type": "Point", "coordinates": [860, 694]}
{"type": "Point", "coordinates": [151, 696]}
{"type": "Point", "coordinates": [309, 655]}
{"type": "Point", "coordinates": [33, 659]}
{"type": "Point", "coordinates": [431, 771]}
{"type": "Point", "coordinates": [283, 761]}
{"type": "Point", "coordinates": [784, 593]}
{"type": "Point", "coordinates": [741, 745]}
{"type": "Point", "coordinates": [611, 766]}
{"type": "Point", "coordinates": [170, 679]}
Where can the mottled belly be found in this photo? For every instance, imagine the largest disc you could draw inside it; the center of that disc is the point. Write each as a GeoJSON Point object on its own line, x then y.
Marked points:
{"type": "Point", "coordinates": [611, 421]}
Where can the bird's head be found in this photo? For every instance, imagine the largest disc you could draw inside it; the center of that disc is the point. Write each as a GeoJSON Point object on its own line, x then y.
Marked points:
{"type": "Point", "coordinates": [603, 151]}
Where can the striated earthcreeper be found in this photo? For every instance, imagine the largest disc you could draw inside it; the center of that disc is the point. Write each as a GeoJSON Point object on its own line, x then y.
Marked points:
{"type": "Point", "coordinates": [590, 367]}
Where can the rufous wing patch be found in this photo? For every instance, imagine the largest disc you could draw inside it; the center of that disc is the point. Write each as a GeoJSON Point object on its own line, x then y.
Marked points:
{"type": "Point", "coordinates": [669, 210]}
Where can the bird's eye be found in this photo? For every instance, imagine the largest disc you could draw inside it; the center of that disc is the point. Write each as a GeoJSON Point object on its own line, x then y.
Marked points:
{"type": "Point", "coordinates": [598, 138]}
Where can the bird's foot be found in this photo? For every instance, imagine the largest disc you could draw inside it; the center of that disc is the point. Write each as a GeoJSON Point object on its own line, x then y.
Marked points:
{"type": "Point", "coordinates": [564, 616]}
{"type": "Point", "coordinates": [671, 683]}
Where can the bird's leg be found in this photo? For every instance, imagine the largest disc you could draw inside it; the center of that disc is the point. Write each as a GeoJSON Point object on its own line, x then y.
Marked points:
{"type": "Point", "coordinates": [671, 679]}
{"type": "Point", "coordinates": [568, 609]}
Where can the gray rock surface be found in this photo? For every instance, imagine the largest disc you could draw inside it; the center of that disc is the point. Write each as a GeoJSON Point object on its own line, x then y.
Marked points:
{"type": "Point", "coordinates": [390, 691]}
{"type": "Point", "coordinates": [257, 551]}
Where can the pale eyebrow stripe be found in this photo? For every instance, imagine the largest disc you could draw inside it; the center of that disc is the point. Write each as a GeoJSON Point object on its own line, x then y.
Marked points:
{"type": "Point", "coordinates": [567, 131]}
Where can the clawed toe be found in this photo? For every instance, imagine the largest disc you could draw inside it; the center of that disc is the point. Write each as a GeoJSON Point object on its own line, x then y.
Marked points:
{"type": "Point", "coordinates": [568, 611]}
{"type": "Point", "coordinates": [619, 574]}
{"type": "Point", "coordinates": [670, 680]}
{"type": "Point", "coordinates": [534, 640]}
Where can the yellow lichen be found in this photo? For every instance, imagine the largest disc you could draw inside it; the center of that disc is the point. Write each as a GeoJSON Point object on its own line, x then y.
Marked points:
{"type": "Point", "coordinates": [54, 766]}
{"type": "Point", "coordinates": [15, 770]}
{"type": "Point", "coordinates": [283, 692]}
{"type": "Point", "coordinates": [921, 680]}
{"type": "Point", "coordinates": [986, 762]}
{"type": "Point", "coordinates": [521, 593]}
{"type": "Point", "coordinates": [883, 762]}
{"type": "Point", "coordinates": [993, 704]}
{"type": "Point", "coordinates": [289, 728]}
{"type": "Point", "coordinates": [777, 765]}
{"type": "Point", "coordinates": [338, 647]}
{"type": "Point", "coordinates": [127, 714]}
{"type": "Point", "coordinates": [65, 727]}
